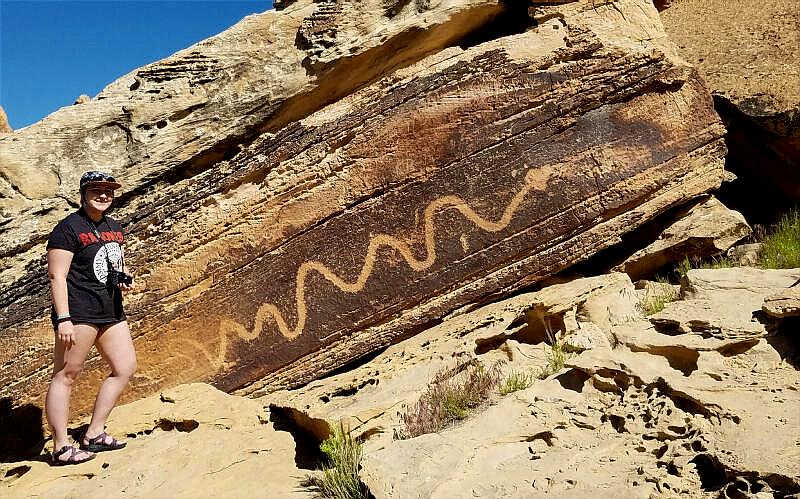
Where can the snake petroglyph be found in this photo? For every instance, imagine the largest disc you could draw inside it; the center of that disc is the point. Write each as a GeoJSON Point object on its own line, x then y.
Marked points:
{"type": "Point", "coordinates": [269, 311]}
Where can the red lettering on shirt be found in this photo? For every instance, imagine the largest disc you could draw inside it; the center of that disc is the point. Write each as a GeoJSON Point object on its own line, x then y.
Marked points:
{"type": "Point", "coordinates": [112, 236]}
{"type": "Point", "coordinates": [87, 238]}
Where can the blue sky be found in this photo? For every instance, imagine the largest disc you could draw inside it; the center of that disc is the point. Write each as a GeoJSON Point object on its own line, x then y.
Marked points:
{"type": "Point", "coordinates": [53, 51]}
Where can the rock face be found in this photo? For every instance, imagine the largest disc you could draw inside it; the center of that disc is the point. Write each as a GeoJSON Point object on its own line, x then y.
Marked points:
{"type": "Point", "coordinates": [748, 53]}
{"type": "Point", "coordinates": [188, 442]}
{"type": "Point", "coordinates": [644, 415]}
{"type": "Point", "coordinates": [279, 235]}
{"type": "Point", "coordinates": [703, 230]}
{"type": "Point", "coordinates": [721, 303]}
{"type": "Point", "coordinates": [4, 126]}
{"type": "Point", "coordinates": [784, 303]}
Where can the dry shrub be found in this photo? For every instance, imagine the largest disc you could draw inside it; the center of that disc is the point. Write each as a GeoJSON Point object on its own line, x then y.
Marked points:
{"type": "Point", "coordinates": [450, 397]}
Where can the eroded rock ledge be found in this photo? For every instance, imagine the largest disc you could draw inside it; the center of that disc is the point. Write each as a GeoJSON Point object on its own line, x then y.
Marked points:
{"type": "Point", "coordinates": [633, 413]}
{"type": "Point", "coordinates": [446, 177]}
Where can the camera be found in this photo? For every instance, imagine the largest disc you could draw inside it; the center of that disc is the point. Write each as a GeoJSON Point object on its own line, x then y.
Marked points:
{"type": "Point", "coordinates": [116, 277]}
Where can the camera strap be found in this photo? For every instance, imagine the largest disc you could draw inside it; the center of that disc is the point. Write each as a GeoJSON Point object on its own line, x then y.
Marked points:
{"type": "Point", "coordinates": [103, 243]}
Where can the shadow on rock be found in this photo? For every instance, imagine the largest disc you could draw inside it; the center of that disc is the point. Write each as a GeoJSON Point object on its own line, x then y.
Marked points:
{"type": "Point", "coordinates": [786, 341]}
{"type": "Point", "coordinates": [21, 433]}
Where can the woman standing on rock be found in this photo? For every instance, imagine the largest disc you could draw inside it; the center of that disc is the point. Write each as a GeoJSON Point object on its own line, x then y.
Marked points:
{"type": "Point", "coordinates": [87, 276]}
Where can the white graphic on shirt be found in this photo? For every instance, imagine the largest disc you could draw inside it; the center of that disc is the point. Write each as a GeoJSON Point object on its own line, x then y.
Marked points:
{"type": "Point", "coordinates": [114, 252]}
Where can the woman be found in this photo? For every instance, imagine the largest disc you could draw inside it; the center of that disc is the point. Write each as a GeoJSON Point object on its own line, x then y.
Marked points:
{"type": "Point", "coordinates": [85, 265]}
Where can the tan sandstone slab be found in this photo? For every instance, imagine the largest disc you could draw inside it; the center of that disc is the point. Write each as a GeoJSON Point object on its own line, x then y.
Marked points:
{"type": "Point", "coordinates": [722, 302]}
{"type": "Point", "coordinates": [703, 230]}
{"type": "Point", "coordinates": [785, 303]}
{"type": "Point", "coordinates": [189, 442]}
{"type": "Point", "coordinates": [615, 420]}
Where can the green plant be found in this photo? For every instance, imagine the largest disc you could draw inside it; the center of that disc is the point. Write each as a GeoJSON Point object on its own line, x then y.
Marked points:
{"type": "Point", "coordinates": [718, 262]}
{"type": "Point", "coordinates": [683, 267]}
{"type": "Point", "coordinates": [450, 397]}
{"type": "Point", "coordinates": [556, 356]}
{"type": "Point", "coordinates": [340, 475]}
{"type": "Point", "coordinates": [781, 248]}
{"type": "Point", "coordinates": [516, 380]}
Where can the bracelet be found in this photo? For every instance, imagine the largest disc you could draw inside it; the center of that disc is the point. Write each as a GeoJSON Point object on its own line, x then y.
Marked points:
{"type": "Point", "coordinates": [63, 318]}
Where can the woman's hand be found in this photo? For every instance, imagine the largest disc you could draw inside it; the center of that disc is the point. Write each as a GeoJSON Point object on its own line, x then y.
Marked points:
{"type": "Point", "coordinates": [127, 287]}
{"type": "Point", "coordinates": [66, 333]}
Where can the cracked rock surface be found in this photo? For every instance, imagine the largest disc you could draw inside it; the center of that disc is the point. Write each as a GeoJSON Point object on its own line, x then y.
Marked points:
{"type": "Point", "coordinates": [639, 413]}
{"type": "Point", "coordinates": [192, 441]}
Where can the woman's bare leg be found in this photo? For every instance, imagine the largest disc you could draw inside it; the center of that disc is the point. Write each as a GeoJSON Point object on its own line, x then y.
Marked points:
{"type": "Point", "coordinates": [116, 347]}
{"type": "Point", "coordinates": [68, 365]}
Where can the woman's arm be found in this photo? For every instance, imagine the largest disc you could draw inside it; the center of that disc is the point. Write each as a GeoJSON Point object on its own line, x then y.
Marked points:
{"type": "Point", "coordinates": [58, 262]}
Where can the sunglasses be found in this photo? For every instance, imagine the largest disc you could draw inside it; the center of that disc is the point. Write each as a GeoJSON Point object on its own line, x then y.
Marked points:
{"type": "Point", "coordinates": [95, 191]}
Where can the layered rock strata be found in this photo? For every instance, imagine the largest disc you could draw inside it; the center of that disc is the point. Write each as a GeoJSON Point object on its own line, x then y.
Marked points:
{"type": "Point", "coordinates": [278, 238]}
{"type": "Point", "coordinates": [639, 414]}
{"type": "Point", "coordinates": [706, 229]}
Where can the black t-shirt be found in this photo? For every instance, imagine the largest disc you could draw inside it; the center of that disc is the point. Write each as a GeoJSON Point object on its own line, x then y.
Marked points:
{"type": "Point", "coordinates": [90, 299]}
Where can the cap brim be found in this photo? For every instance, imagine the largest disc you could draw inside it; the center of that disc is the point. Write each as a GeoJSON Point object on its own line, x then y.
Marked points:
{"type": "Point", "coordinates": [103, 183]}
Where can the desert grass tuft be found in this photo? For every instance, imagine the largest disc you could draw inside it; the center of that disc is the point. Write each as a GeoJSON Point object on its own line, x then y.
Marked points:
{"type": "Point", "coordinates": [340, 475]}
{"type": "Point", "coordinates": [781, 247]}
{"type": "Point", "coordinates": [684, 266]}
{"type": "Point", "coordinates": [451, 396]}
{"type": "Point", "coordinates": [515, 381]}
{"type": "Point", "coordinates": [556, 356]}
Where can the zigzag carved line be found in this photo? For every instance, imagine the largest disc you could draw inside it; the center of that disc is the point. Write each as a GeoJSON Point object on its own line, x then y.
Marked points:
{"type": "Point", "coordinates": [268, 311]}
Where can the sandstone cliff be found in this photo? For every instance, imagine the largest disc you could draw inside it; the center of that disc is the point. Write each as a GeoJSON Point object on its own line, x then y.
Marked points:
{"type": "Point", "coordinates": [749, 55]}
{"type": "Point", "coordinates": [642, 412]}
{"type": "Point", "coordinates": [4, 126]}
{"type": "Point", "coordinates": [318, 182]}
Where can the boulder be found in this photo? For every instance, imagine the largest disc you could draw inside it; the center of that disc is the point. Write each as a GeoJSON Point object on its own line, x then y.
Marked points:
{"type": "Point", "coordinates": [748, 52]}
{"type": "Point", "coordinates": [82, 99]}
{"type": "Point", "coordinates": [705, 229]}
{"type": "Point", "coordinates": [745, 255]}
{"type": "Point", "coordinates": [319, 182]}
{"type": "Point", "coordinates": [653, 295]}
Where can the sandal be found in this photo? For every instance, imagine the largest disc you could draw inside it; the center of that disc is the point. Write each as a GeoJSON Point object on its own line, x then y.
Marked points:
{"type": "Point", "coordinates": [71, 459]}
{"type": "Point", "coordinates": [98, 443]}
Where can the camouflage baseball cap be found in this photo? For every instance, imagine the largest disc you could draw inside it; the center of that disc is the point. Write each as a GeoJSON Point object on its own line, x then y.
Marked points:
{"type": "Point", "coordinates": [101, 179]}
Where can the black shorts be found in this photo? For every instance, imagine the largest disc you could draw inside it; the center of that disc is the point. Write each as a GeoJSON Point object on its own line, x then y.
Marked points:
{"type": "Point", "coordinates": [100, 324]}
